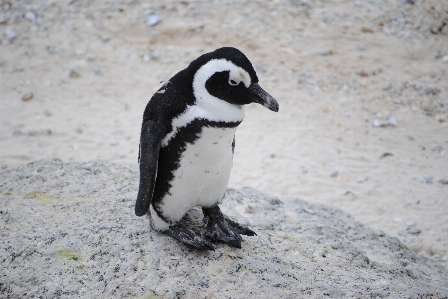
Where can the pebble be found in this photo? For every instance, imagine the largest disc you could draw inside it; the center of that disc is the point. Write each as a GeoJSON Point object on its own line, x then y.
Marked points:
{"type": "Point", "coordinates": [428, 179]}
{"type": "Point", "coordinates": [74, 74]}
{"type": "Point", "coordinates": [152, 19]}
{"type": "Point", "coordinates": [437, 148]}
{"type": "Point", "coordinates": [392, 121]}
{"type": "Point", "coordinates": [325, 52]}
{"type": "Point", "coordinates": [402, 232]}
{"type": "Point", "coordinates": [30, 16]}
{"type": "Point", "coordinates": [410, 223]}
{"type": "Point", "coordinates": [334, 173]}
{"type": "Point", "coordinates": [414, 230]}
{"type": "Point", "coordinates": [27, 96]}
{"type": "Point", "coordinates": [10, 34]}
{"type": "Point", "coordinates": [443, 181]}
{"type": "Point", "coordinates": [96, 70]}
{"type": "Point", "coordinates": [445, 58]}
{"type": "Point", "coordinates": [380, 122]}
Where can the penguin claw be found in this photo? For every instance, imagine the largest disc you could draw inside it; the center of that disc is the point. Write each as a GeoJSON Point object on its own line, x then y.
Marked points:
{"type": "Point", "coordinates": [189, 237]}
{"type": "Point", "coordinates": [242, 229]}
{"type": "Point", "coordinates": [223, 229]}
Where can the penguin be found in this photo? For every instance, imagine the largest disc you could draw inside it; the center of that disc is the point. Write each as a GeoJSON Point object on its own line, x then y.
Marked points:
{"type": "Point", "coordinates": [187, 142]}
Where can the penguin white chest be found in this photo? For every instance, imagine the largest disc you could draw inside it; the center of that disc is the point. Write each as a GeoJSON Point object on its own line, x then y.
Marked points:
{"type": "Point", "coordinates": [203, 173]}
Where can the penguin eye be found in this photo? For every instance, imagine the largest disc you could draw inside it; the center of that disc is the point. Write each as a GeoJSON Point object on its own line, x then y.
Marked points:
{"type": "Point", "coordinates": [233, 82]}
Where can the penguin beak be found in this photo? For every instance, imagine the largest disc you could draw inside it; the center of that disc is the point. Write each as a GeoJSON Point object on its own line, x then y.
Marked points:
{"type": "Point", "coordinates": [260, 96]}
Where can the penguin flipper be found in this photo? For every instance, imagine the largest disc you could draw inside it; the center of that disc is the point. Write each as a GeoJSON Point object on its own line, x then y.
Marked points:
{"type": "Point", "coordinates": [150, 139]}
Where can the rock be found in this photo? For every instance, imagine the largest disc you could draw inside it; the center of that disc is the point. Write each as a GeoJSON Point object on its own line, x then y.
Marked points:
{"type": "Point", "coordinates": [69, 228]}
{"type": "Point", "coordinates": [402, 232]}
{"type": "Point", "coordinates": [414, 230]}
{"type": "Point", "coordinates": [381, 122]}
{"type": "Point", "coordinates": [438, 149]}
{"type": "Point", "coordinates": [10, 34]}
{"type": "Point", "coordinates": [27, 96]}
{"type": "Point", "coordinates": [428, 179]}
{"type": "Point", "coordinates": [51, 49]}
{"type": "Point", "coordinates": [410, 223]}
{"type": "Point", "coordinates": [96, 70]}
{"type": "Point", "coordinates": [366, 30]}
{"type": "Point", "coordinates": [334, 173]}
{"type": "Point", "coordinates": [325, 52]}
{"type": "Point", "coordinates": [74, 74]}
{"type": "Point", "coordinates": [392, 121]}
{"type": "Point", "coordinates": [152, 19]}
{"type": "Point", "coordinates": [30, 16]}
{"type": "Point", "coordinates": [445, 58]}
{"type": "Point", "coordinates": [443, 181]}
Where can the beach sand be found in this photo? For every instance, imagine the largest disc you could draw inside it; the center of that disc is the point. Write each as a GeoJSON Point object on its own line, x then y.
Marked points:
{"type": "Point", "coordinates": [362, 88]}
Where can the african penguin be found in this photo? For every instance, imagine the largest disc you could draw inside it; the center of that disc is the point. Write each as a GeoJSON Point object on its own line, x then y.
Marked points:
{"type": "Point", "coordinates": [187, 141]}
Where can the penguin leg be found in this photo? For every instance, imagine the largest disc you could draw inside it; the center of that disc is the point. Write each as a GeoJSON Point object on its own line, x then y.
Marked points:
{"type": "Point", "coordinates": [220, 228]}
{"type": "Point", "coordinates": [189, 237]}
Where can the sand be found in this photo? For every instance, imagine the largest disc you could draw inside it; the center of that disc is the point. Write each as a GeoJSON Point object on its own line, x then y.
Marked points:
{"type": "Point", "coordinates": [362, 88]}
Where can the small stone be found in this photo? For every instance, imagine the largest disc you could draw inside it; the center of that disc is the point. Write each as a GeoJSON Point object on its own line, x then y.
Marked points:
{"type": "Point", "coordinates": [325, 52]}
{"type": "Point", "coordinates": [74, 74]}
{"type": "Point", "coordinates": [437, 148]}
{"type": "Point", "coordinates": [366, 30]}
{"type": "Point", "coordinates": [51, 49]}
{"type": "Point", "coordinates": [4, 19]}
{"type": "Point", "coordinates": [361, 47]}
{"type": "Point", "coordinates": [443, 181]}
{"type": "Point", "coordinates": [30, 16]}
{"type": "Point", "coordinates": [152, 19]}
{"type": "Point", "coordinates": [27, 96]}
{"type": "Point", "coordinates": [402, 232]}
{"type": "Point", "coordinates": [414, 230]}
{"type": "Point", "coordinates": [410, 137]}
{"type": "Point", "coordinates": [96, 70]}
{"type": "Point", "coordinates": [105, 38]}
{"type": "Point", "coordinates": [410, 223]}
{"type": "Point", "coordinates": [445, 258]}
{"type": "Point", "coordinates": [392, 121]}
{"type": "Point", "coordinates": [334, 173]}
{"type": "Point", "coordinates": [91, 57]}
{"type": "Point", "coordinates": [10, 34]}
{"type": "Point", "coordinates": [445, 58]}
{"type": "Point", "coordinates": [428, 179]}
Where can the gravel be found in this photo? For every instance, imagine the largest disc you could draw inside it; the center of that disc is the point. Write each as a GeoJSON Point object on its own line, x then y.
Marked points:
{"type": "Point", "coordinates": [68, 231]}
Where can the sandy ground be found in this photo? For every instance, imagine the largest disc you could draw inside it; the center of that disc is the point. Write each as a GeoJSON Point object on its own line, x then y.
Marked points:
{"type": "Point", "coordinates": [362, 88]}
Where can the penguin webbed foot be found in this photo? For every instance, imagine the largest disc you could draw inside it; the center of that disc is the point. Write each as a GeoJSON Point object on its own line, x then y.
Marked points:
{"type": "Point", "coordinates": [220, 228]}
{"type": "Point", "coordinates": [189, 237]}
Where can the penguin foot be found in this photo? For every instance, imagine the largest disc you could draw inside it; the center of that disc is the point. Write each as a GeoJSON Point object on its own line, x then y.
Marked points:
{"type": "Point", "coordinates": [189, 237]}
{"type": "Point", "coordinates": [220, 228]}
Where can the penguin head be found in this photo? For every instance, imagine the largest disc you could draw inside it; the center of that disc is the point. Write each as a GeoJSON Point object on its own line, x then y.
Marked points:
{"type": "Point", "coordinates": [227, 74]}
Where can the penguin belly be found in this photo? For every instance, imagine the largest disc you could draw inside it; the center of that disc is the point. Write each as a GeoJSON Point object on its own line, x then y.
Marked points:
{"type": "Point", "coordinates": [203, 173]}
